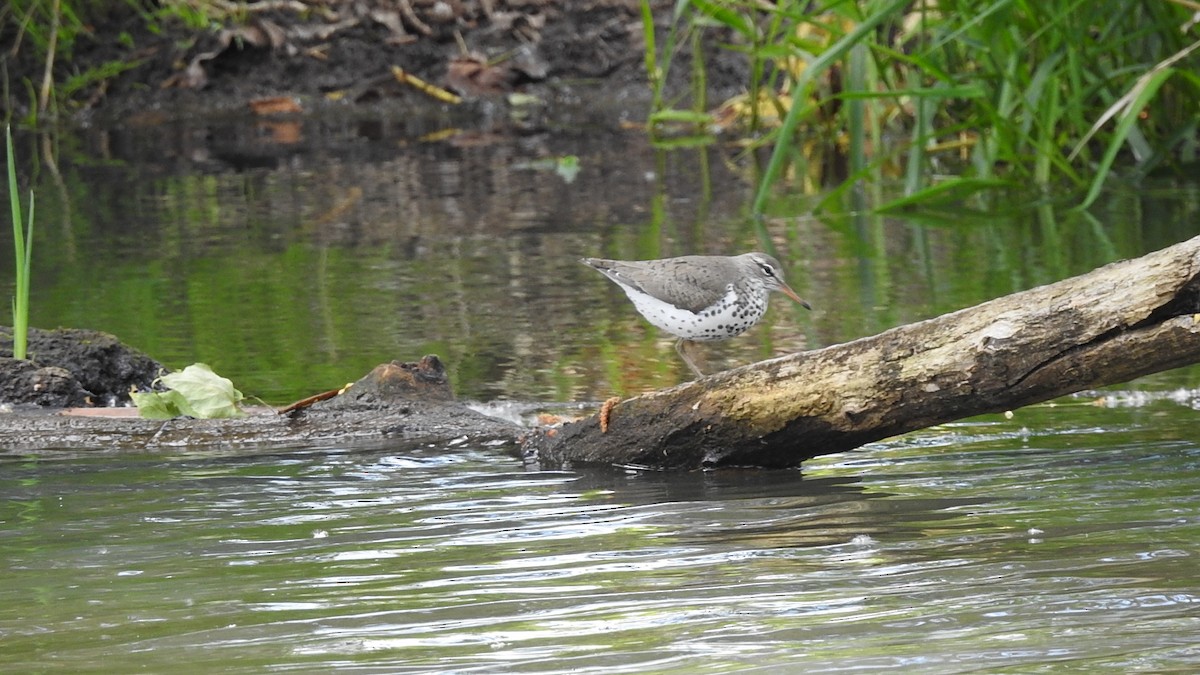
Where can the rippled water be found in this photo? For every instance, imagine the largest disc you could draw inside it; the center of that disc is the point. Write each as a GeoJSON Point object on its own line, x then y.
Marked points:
{"type": "Point", "coordinates": [1063, 538]}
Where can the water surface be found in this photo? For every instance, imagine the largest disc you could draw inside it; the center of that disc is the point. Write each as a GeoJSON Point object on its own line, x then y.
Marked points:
{"type": "Point", "coordinates": [295, 268]}
{"type": "Point", "coordinates": [1014, 544]}
{"type": "Point", "coordinates": [1063, 538]}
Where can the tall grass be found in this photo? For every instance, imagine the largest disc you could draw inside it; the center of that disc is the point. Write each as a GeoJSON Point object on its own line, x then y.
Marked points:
{"type": "Point", "coordinates": [23, 250]}
{"type": "Point", "coordinates": [1053, 93]}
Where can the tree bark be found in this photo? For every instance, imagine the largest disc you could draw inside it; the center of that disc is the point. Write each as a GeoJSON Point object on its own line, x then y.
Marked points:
{"type": "Point", "coordinates": [1116, 323]}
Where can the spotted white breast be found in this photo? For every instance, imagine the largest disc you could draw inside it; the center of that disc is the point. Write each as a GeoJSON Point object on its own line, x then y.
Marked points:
{"type": "Point", "coordinates": [732, 315]}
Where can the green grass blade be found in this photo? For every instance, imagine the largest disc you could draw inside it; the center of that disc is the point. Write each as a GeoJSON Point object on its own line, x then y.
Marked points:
{"type": "Point", "coordinates": [1124, 102]}
{"type": "Point", "coordinates": [20, 302]}
{"type": "Point", "coordinates": [952, 189]}
{"type": "Point", "coordinates": [820, 64]}
{"type": "Point", "coordinates": [12, 185]}
{"type": "Point", "coordinates": [727, 17]}
{"type": "Point", "coordinates": [21, 317]}
{"type": "Point", "coordinates": [27, 267]}
{"type": "Point", "coordinates": [1145, 92]}
{"type": "Point", "coordinates": [856, 124]}
{"type": "Point", "coordinates": [963, 91]}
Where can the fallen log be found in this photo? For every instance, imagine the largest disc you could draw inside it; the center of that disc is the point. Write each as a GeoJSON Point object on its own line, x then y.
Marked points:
{"type": "Point", "coordinates": [1116, 323]}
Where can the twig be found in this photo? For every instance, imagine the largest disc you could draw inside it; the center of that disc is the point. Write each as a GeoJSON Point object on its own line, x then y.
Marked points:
{"type": "Point", "coordinates": [48, 74]}
{"type": "Point", "coordinates": [21, 28]}
{"type": "Point", "coordinates": [433, 90]}
{"type": "Point", "coordinates": [240, 8]}
{"type": "Point", "coordinates": [306, 402]}
{"type": "Point", "coordinates": [409, 15]}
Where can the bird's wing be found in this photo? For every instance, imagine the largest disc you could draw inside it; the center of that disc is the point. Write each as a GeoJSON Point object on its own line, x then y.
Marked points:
{"type": "Point", "coordinates": [672, 279]}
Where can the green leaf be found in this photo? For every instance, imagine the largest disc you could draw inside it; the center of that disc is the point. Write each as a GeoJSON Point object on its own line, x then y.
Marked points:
{"type": "Point", "coordinates": [1134, 101]}
{"type": "Point", "coordinates": [952, 189]}
{"type": "Point", "coordinates": [681, 116]}
{"type": "Point", "coordinates": [157, 405]}
{"type": "Point", "coordinates": [680, 142]}
{"type": "Point", "coordinates": [728, 17]}
{"type": "Point", "coordinates": [567, 168]}
{"type": "Point", "coordinates": [195, 391]}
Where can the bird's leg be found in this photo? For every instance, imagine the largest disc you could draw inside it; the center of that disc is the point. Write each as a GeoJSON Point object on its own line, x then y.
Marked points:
{"type": "Point", "coordinates": [681, 346]}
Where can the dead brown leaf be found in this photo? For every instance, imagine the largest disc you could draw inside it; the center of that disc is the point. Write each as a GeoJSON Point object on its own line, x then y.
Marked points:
{"type": "Point", "coordinates": [275, 105]}
{"type": "Point", "coordinates": [473, 76]}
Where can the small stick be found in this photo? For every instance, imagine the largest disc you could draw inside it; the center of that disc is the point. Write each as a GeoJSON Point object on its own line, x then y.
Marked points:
{"type": "Point", "coordinates": [435, 91]}
{"type": "Point", "coordinates": [48, 75]}
{"type": "Point", "coordinates": [306, 402]}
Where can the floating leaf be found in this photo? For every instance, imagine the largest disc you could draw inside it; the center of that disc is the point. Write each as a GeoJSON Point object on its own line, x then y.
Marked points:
{"type": "Point", "coordinates": [567, 167]}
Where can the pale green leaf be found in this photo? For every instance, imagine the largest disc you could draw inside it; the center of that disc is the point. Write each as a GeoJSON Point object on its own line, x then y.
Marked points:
{"type": "Point", "coordinates": [567, 167]}
{"type": "Point", "coordinates": [195, 391]}
{"type": "Point", "coordinates": [205, 395]}
{"type": "Point", "coordinates": [156, 405]}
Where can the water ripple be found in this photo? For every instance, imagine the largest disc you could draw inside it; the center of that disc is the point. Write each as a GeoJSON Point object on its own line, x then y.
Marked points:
{"type": "Point", "coordinates": [967, 548]}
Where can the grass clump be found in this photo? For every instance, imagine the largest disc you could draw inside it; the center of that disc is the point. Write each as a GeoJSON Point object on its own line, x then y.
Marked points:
{"type": "Point", "coordinates": [1051, 92]}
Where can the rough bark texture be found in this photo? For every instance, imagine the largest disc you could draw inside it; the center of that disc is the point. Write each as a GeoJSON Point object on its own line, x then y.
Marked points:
{"type": "Point", "coordinates": [1121, 321]}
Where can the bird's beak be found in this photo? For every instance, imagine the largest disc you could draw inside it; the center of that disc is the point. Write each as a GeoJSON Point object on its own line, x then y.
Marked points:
{"type": "Point", "coordinates": [792, 294]}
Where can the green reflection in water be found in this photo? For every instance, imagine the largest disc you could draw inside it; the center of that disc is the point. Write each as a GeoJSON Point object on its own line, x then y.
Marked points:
{"type": "Point", "coordinates": [298, 278]}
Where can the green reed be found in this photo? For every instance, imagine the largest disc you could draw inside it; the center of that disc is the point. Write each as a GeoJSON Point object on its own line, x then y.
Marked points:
{"type": "Point", "coordinates": [1054, 93]}
{"type": "Point", "coordinates": [23, 250]}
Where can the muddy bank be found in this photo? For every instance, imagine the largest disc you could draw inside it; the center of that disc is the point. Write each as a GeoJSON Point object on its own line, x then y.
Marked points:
{"type": "Point", "coordinates": [42, 399]}
{"type": "Point", "coordinates": [29, 430]}
{"type": "Point", "coordinates": [585, 56]}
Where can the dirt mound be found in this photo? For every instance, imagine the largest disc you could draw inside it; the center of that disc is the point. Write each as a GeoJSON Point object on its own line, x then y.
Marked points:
{"type": "Point", "coordinates": [68, 367]}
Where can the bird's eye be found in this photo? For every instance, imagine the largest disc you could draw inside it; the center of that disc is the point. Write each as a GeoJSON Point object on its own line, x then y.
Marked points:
{"type": "Point", "coordinates": [766, 269]}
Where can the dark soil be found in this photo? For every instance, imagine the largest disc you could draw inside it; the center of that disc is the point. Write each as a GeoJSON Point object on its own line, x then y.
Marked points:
{"type": "Point", "coordinates": [585, 53]}
{"type": "Point", "coordinates": [67, 368]}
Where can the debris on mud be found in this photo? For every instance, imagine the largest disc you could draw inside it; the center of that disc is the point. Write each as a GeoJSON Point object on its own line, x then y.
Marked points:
{"type": "Point", "coordinates": [52, 402]}
{"type": "Point", "coordinates": [318, 53]}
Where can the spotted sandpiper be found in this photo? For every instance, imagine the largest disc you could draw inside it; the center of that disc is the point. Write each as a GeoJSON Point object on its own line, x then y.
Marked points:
{"type": "Point", "coordinates": [699, 298]}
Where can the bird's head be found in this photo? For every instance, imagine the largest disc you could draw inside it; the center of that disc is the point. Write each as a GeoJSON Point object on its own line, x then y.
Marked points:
{"type": "Point", "coordinates": [768, 270]}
